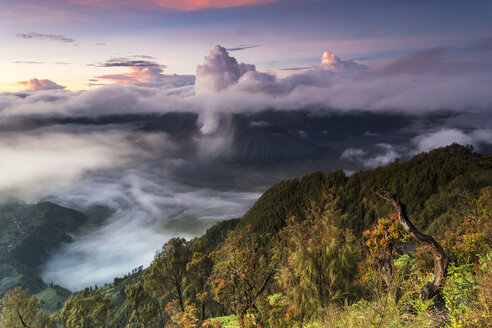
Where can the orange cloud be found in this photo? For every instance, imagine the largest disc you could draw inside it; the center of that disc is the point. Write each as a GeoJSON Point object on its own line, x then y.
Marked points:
{"type": "Point", "coordinates": [182, 5]}
{"type": "Point", "coordinates": [45, 84]}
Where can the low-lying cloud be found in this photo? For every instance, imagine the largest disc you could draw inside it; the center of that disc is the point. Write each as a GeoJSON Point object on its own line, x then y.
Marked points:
{"type": "Point", "coordinates": [169, 157]}
{"type": "Point", "coordinates": [35, 164]}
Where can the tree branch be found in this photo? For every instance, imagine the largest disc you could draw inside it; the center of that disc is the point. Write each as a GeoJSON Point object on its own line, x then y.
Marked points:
{"type": "Point", "coordinates": [439, 257]}
{"type": "Point", "coordinates": [22, 320]}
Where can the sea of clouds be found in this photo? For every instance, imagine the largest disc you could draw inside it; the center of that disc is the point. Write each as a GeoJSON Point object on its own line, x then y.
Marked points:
{"type": "Point", "coordinates": [96, 147]}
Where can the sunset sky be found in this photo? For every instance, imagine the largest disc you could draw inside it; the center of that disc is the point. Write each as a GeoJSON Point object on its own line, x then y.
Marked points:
{"type": "Point", "coordinates": [82, 44]}
{"type": "Point", "coordinates": [186, 111]}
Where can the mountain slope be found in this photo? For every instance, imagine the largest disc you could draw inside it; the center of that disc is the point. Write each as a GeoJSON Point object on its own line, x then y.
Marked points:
{"type": "Point", "coordinates": [421, 182]}
{"type": "Point", "coordinates": [29, 234]}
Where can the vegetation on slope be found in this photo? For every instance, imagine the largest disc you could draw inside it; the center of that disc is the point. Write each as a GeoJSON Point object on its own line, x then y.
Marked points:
{"type": "Point", "coordinates": [321, 251]}
{"type": "Point", "coordinates": [29, 234]}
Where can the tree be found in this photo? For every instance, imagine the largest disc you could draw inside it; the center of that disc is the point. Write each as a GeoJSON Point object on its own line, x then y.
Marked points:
{"type": "Point", "coordinates": [166, 277]}
{"type": "Point", "coordinates": [320, 261]}
{"type": "Point", "coordinates": [199, 268]}
{"type": "Point", "coordinates": [430, 289]}
{"type": "Point", "coordinates": [87, 310]}
{"type": "Point", "coordinates": [19, 309]}
{"type": "Point", "coordinates": [242, 272]}
{"type": "Point", "coordinates": [144, 310]}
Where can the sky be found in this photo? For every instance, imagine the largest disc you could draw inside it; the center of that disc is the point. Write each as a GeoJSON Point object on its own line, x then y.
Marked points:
{"type": "Point", "coordinates": [175, 114]}
{"type": "Point", "coordinates": [70, 42]}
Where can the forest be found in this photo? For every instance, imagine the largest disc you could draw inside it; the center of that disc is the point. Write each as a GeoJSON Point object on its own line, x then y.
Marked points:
{"type": "Point", "coordinates": [408, 244]}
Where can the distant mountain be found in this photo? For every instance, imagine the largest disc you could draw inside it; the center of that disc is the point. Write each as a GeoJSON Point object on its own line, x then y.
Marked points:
{"type": "Point", "coordinates": [277, 137]}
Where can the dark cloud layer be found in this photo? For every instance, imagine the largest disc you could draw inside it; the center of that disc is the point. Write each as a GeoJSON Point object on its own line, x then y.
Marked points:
{"type": "Point", "coordinates": [126, 62]}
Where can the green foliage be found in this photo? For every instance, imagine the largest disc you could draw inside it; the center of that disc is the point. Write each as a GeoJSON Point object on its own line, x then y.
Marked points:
{"type": "Point", "coordinates": [459, 292]}
{"type": "Point", "coordinates": [402, 261]}
{"type": "Point", "coordinates": [276, 311]}
{"type": "Point", "coordinates": [183, 318]}
{"type": "Point", "coordinates": [294, 256]}
{"type": "Point", "coordinates": [144, 310]}
{"type": "Point", "coordinates": [473, 237]}
{"type": "Point", "coordinates": [87, 310]}
{"type": "Point", "coordinates": [320, 261]}
{"type": "Point", "coordinates": [215, 236]}
{"type": "Point", "coordinates": [166, 277]}
{"type": "Point", "coordinates": [429, 184]}
{"type": "Point", "coordinates": [28, 236]}
{"type": "Point", "coordinates": [241, 273]}
{"type": "Point", "coordinates": [289, 198]}
{"type": "Point", "coordinates": [19, 309]}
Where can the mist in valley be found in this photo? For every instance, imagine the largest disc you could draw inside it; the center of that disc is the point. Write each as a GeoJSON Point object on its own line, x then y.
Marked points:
{"type": "Point", "coordinates": [170, 157]}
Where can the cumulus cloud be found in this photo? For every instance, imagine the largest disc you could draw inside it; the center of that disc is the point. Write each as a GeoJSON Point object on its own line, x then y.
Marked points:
{"type": "Point", "coordinates": [218, 71]}
{"type": "Point", "coordinates": [177, 172]}
{"type": "Point", "coordinates": [331, 62]}
{"type": "Point", "coordinates": [43, 36]}
{"type": "Point", "coordinates": [44, 84]}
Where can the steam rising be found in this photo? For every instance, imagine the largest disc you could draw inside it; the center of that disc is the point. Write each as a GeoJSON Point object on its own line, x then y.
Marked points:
{"type": "Point", "coordinates": [170, 159]}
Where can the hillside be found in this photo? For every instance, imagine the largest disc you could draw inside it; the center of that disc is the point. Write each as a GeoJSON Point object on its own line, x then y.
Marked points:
{"type": "Point", "coordinates": [320, 269]}
{"type": "Point", "coordinates": [29, 234]}
{"type": "Point", "coordinates": [429, 183]}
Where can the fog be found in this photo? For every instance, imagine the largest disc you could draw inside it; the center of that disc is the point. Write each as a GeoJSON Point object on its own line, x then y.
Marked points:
{"type": "Point", "coordinates": [153, 157]}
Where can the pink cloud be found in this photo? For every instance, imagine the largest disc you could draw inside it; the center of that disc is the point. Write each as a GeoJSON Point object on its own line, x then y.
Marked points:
{"type": "Point", "coordinates": [331, 62]}
{"type": "Point", "coordinates": [149, 76]}
{"type": "Point", "coordinates": [182, 5]}
{"type": "Point", "coordinates": [45, 84]}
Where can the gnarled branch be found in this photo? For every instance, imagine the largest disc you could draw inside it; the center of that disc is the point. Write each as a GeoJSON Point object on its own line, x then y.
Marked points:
{"type": "Point", "coordinates": [431, 288]}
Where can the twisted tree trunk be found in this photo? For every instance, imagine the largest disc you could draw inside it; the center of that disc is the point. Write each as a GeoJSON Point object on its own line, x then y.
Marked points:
{"type": "Point", "coordinates": [431, 288]}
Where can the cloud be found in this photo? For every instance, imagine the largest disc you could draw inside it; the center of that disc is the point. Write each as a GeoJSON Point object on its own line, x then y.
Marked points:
{"type": "Point", "coordinates": [300, 68]}
{"type": "Point", "coordinates": [44, 84]}
{"type": "Point", "coordinates": [243, 47]}
{"type": "Point", "coordinates": [160, 156]}
{"type": "Point", "coordinates": [35, 164]}
{"type": "Point", "coordinates": [125, 62]}
{"type": "Point", "coordinates": [420, 63]}
{"type": "Point", "coordinates": [331, 62]}
{"type": "Point", "coordinates": [144, 73]}
{"type": "Point", "coordinates": [217, 72]}
{"type": "Point", "coordinates": [42, 36]}
{"type": "Point", "coordinates": [181, 5]}
{"type": "Point", "coordinates": [149, 76]}
{"type": "Point", "coordinates": [220, 71]}
{"type": "Point", "coordinates": [28, 62]}
{"type": "Point", "coordinates": [447, 136]}
{"type": "Point", "coordinates": [382, 154]}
